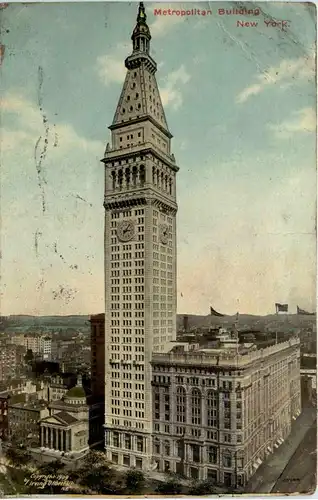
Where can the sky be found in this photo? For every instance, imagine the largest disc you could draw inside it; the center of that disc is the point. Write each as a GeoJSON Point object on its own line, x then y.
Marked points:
{"type": "Point", "coordinates": [241, 104]}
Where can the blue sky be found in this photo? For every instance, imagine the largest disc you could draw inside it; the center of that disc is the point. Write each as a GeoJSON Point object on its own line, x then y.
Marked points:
{"type": "Point", "coordinates": [241, 103]}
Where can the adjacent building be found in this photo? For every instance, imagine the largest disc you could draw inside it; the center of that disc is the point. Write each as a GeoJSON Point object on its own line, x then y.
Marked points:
{"type": "Point", "coordinates": [218, 413]}
{"type": "Point", "coordinates": [98, 356]}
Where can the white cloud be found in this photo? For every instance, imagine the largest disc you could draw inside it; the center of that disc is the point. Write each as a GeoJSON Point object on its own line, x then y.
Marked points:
{"type": "Point", "coordinates": [170, 91]}
{"type": "Point", "coordinates": [29, 127]}
{"type": "Point", "coordinates": [288, 71]}
{"type": "Point", "coordinates": [304, 121]}
{"type": "Point", "coordinates": [70, 183]}
{"type": "Point", "coordinates": [111, 69]}
{"type": "Point", "coordinates": [163, 24]}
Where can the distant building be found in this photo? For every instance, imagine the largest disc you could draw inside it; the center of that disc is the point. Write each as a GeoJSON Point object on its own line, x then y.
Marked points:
{"type": "Point", "coordinates": [33, 342]}
{"type": "Point", "coordinates": [46, 347]}
{"type": "Point", "coordinates": [4, 425]}
{"type": "Point", "coordinates": [219, 412]}
{"type": "Point", "coordinates": [8, 361]}
{"type": "Point", "coordinates": [98, 356]}
{"type": "Point", "coordinates": [57, 388]}
{"type": "Point", "coordinates": [24, 421]}
{"type": "Point", "coordinates": [97, 371]}
{"type": "Point", "coordinates": [308, 386]}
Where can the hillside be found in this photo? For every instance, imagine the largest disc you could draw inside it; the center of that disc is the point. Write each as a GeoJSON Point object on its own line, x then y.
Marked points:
{"type": "Point", "coordinates": [289, 321]}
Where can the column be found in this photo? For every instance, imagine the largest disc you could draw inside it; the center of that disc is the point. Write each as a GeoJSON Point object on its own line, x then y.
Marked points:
{"type": "Point", "coordinates": [54, 439]}
{"type": "Point", "coordinates": [70, 440]}
{"type": "Point", "coordinates": [67, 441]}
{"type": "Point", "coordinates": [59, 439]}
{"type": "Point", "coordinates": [63, 440]}
{"type": "Point", "coordinates": [49, 437]}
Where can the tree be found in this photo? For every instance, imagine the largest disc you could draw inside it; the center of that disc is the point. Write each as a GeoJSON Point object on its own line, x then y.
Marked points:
{"type": "Point", "coordinates": [170, 487]}
{"type": "Point", "coordinates": [53, 467]}
{"type": "Point", "coordinates": [101, 480]}
{"type": "Point", "coordinates": [134, 481]}
{"type": "Point", "coordinates": [18, 456]}
{"type": "Point", "coordinates": [202, 488]}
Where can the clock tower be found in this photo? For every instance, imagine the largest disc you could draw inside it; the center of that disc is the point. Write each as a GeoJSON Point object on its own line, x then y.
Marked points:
{"type": "Point", "coordinates": [140, 254]}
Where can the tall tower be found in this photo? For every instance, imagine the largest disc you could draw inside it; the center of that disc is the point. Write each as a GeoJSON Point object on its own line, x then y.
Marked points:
{"type": "Point", "coordinates": [140, 254]}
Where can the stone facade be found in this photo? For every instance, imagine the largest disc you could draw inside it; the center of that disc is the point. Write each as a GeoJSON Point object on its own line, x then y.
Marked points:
{"type": "Point", "coordinates": [218, 414]}
{"type": "Point", "coordinates": [24, 421]}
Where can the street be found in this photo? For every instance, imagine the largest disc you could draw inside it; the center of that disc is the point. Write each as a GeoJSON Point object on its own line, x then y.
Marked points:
{"type": "Point", "coordinates": [300, 473]}
{"type": "Point", "coordinates": [291, 468]}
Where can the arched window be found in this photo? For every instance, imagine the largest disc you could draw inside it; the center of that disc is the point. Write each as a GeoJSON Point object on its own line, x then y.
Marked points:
{"type": "Point", "coordinates": [212, 409]}
{"type": "Point", "coordinates": [134, 175]}
{"type": "Point", "coordinates": [227, 458]}
{"type": "Point", "coordinates": [166, 183]}
{"type": "Point", "coordinates": [196, 406]}
{"type": "Point", "coordinates": [162, 181]}
{"type": "Point", "coordinates": [142, 175]}
{"type": "Point", "coordinates": [181, 404]}
{"type": "Point", "coordinates": [170, 186]}
{"type": "Point", "coordinates": [120, 179]}
{"type": "Point", "coordinates": [127, 175]}
{"type": "Point", "coordinates": [158, 178]}
{"type": "Point", "coordinates": [153, 175]}
{"type": "Point", "coordinates": [114, 179]}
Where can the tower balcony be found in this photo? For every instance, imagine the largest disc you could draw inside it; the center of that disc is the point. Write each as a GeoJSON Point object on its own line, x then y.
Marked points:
{"type": "Point", "coordinates": [117, 154]}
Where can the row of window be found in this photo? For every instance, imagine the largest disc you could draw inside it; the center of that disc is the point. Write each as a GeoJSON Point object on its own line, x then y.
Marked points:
{"type": "Point", "coordinates": [127, 213]}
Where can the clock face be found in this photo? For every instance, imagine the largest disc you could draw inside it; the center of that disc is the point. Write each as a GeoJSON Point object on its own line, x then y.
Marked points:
{"type": "Point", "coordinates": [164, 234]}
{"type": "Point", "coordinates": [126, 230]}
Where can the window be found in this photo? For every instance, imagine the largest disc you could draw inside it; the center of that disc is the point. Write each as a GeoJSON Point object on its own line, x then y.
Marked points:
{"type": "Point", "coordinates": [127, 442]}
{"type": "Point", "coordinates": [227, 459]}
{"type": "Point", "coordinates": [196, 406]}
{"type": "Point", "coordinates": [213, 454]}
{"type": "Point", "coordinates": [181, 404]}
{"type": "Point", "coordinates": [157, 447]}
{"type": "Point", "coordinates": [212, 404]}
{"type": "Point", "coordinates": [167, 448]}
{"type": "Point", "coordinates": [116, 440]}
{"type": "Point", "coordinates": [140, 445]}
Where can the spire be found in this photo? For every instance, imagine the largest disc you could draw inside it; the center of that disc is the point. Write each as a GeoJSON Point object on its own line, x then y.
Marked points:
{"type": "Point", "coordinates": [142, 17]}
{"type": "Point", "coordinates": [141, 35]}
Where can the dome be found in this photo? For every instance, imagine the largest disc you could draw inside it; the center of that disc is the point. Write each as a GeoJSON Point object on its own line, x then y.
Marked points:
{"type": "Point", "coordinates": [76, 392]}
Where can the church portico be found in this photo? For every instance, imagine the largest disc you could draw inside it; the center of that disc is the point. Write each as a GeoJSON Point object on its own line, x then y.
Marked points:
{"type": "Point", "coordinates": [54, 438]}
{"type": "Point", "coordinates": [66, 431]}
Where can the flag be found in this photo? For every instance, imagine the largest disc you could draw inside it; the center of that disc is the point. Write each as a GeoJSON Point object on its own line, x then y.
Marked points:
{"type": "Point", "coordinates": [281, 308]}
{"type": "Point", "coordinates": [213, 312]}
{"type": "Point", "coordinates": [304, 313]}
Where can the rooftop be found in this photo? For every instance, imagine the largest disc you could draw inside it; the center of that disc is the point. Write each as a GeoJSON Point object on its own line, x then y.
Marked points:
{"type": "Point", "coordinates": [220, 357]}
{"type": "Point", "coordinates": [31, 405]}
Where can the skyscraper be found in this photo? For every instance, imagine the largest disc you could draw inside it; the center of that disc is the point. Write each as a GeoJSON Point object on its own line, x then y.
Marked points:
{"type": "Point", "coordinates": [140, 254]}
